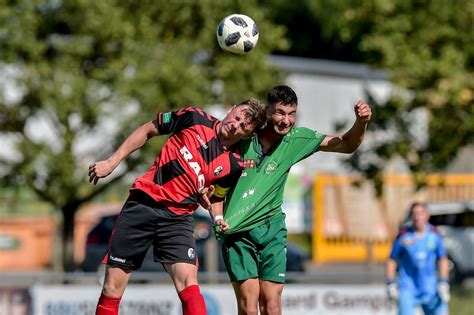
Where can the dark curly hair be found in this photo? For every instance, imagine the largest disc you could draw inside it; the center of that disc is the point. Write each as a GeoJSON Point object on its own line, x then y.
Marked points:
{"type": "Point", "coordinates": [282, 94]}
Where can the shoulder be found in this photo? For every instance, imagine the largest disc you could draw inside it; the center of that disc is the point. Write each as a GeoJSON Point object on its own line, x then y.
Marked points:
{"type": "Point", "coordinates": [304, 133]}
{"type": "Point", "coordinates": [434, 230]}
{"type": "Point", "coordinates": [195, 115]}
{"type": "Point", "coordinates": [404, 232]}
{"type": "Point", "coordinates": [194, 112]}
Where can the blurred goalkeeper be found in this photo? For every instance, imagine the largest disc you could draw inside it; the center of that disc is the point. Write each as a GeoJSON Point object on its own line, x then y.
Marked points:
{"type": "Point", "coordinates": [417, 253]}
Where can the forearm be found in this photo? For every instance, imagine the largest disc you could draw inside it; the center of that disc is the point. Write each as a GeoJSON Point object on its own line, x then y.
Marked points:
{"type": "Point", "coordinates": [443, 268]}
{"type": "Point", "coordinates": [134, 141]}
{"type": "Point", "coordinates": [352, 139]}
{"type": "Point", "coordinates": [217, 210]}
{"type": "Point", "coordinates": [348, 142]}
{"type": "Point", "coordinates": [391, 269]}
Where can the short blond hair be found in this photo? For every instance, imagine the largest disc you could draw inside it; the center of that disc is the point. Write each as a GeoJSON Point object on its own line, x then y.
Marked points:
{"type": "Point", "coordinates": [255, 112]}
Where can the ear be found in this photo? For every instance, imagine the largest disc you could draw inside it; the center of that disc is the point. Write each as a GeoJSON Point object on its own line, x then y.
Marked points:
{"type": "Point", "coordinates": [269, 111]}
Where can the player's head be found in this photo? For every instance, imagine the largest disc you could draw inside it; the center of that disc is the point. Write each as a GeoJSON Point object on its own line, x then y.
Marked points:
{"type": "Point", "coordinates": [282, 103]}
{"type": "Point", "coordinates": [242, 120]}
{"type": "Point", "coordinates": [419, 215]}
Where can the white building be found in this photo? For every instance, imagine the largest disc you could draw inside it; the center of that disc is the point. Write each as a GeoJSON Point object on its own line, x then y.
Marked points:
{"type": "Point", "coordinates": [327, 92]}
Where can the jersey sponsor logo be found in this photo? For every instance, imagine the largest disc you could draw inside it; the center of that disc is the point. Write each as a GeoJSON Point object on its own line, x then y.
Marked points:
{"type": "Point", "coordinates": [408, 241]}
{"type": "Point", "coordinates": [218, 170]}
{"type": "Point", "coordinates": [420, 255]}
{"type": "Point", "coordinates": [122, 260]}
{"type": "Point", "coordinates": [281, 274]}
{"type": "Point", "coordinates": [166, 118]}
{"type": "Point", "coordinates": [191, 253]}
{"type": "Point", "coordinates": [249, 163]}
{"type": "Point", "coordinates": [240, 212]}
{"type": "Point", "coordinates": [248, 193]}
{"type": "Point", "coordinates": [202, 142]}
{"type": "Point", "coordinates": [194, 165]}
{"type": "Point", "coordinates": [271, 167]}
{"type": "Point", "coordinates": [431, 244]}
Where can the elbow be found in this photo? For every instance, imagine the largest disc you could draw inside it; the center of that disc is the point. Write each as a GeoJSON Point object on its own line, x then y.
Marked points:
{"type": "Point", "coordinates": [352, 147]}
{"type": "Point", "coordinates": [349, 149]}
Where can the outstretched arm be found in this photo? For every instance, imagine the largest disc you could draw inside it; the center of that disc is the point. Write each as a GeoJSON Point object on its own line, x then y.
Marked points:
{"type": "Point", "coordinates": [134, 141]}
{"type": "Point", "coordinates": [350, 141]}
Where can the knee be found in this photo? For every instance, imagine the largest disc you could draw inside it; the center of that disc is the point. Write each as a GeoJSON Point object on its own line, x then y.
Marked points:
{"type": "Point", "coordinates": [270, 307]}
{"type": "Point", "coordinates": [248, 307]}
{"type": "Point", "coordinates": [112, 289]}
{"type": "Point", "coordinates": [185, 281]}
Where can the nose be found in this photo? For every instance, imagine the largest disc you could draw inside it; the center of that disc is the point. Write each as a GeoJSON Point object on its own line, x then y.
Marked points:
{"type": "Point", "coordinates": [233, 126]}
{"type": "Point", "coordinates": [286, 119]}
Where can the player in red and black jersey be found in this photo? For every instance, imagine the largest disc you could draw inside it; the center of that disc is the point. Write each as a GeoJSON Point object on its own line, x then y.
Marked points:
{"type": "Point", "coordinates": [158, 212]}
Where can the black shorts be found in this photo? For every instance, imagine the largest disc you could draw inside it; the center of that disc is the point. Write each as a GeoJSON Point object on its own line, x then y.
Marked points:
{"type": "Point", "coordinates": [143, 222]}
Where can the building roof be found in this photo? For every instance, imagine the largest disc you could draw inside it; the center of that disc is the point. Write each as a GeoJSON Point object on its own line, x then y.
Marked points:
{"type": "Point", "coordinates": [328, 67]}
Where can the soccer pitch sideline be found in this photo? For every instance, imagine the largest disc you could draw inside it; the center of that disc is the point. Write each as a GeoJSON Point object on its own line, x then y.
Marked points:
{"type": "Point", "coordinates": [160, 299]}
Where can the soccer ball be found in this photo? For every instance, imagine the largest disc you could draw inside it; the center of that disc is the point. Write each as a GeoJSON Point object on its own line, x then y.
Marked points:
{"type": "Point", "coordinates": [237, 33]}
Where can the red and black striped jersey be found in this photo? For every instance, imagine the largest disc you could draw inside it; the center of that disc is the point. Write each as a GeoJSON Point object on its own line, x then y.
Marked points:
{"type": "Point", "coordinates": [192, 158]}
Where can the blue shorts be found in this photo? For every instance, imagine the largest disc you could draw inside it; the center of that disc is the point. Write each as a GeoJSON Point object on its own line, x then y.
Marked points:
{"type": "Point", "coordinates": [408, 303]}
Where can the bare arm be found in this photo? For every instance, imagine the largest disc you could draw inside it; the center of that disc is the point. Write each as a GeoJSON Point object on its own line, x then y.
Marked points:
{"type": "Point", "coordinates": [134, 141]}
{"type": "Point", "coordinates": [215, 207]}
{"type": "Point", "coordinates": [443, 281]}
{"type": "Point", "coordinates": [350, 141]}
{"type": "Point", "coordinates": [217, 214]}
{"type": "Point", "coordinates": [391, 269]}
{"type": "Point", "coordinates": [443, 268]}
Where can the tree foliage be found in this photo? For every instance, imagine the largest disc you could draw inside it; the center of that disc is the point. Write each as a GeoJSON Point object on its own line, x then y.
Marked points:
{"type": "Point", "coordinates": [86, 73]}
{"type": "Point", "coordinates": [428, 48]}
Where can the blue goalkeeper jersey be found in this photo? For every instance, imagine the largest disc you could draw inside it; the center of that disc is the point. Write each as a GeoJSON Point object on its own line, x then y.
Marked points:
{"type": "Point", "coordinates": [417, 258]}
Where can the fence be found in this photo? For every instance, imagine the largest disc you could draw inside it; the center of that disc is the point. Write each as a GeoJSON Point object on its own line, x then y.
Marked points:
{"type": "Point", "coordinates": [351, 224]}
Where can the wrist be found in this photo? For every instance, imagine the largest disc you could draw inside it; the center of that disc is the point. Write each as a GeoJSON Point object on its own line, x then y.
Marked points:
{"type": "Point", "coordinates": [115, 161]}
{"type": "Point", "coordinates": [443, 280]}
{"type": "Point", "coordinates": [217, 218]}
{"type": "Point", "coordinates": [390, 281]}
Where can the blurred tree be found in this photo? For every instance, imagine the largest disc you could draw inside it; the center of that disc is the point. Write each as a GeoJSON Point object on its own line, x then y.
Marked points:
{"type": "Point", "coordinates": [83, 74]}
{"type": "Point", "coordinates": [428, 48]}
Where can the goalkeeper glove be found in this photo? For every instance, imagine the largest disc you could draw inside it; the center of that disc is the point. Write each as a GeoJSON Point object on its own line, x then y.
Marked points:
{"type": "Point", "coordinates": [392, 290]}
{"type": "Point", "coordinates": [443, 290]}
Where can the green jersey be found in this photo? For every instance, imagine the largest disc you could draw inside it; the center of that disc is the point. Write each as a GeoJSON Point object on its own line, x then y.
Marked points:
{"type": "Point", "coordinates": [258, 195]}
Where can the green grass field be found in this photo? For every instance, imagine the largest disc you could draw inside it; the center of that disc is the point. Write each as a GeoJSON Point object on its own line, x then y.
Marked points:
{"type": "Point", "coordinates": [462, 302]}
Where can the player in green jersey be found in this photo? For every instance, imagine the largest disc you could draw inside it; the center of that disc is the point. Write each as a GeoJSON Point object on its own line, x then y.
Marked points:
{"type": "Point", "coordinates": [253, 225]}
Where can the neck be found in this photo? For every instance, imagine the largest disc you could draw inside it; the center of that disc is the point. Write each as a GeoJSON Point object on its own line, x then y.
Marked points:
{"type": "Point", "coordinates": [419, 230]}
{"type": "Point", "coordinates": [268, 137]}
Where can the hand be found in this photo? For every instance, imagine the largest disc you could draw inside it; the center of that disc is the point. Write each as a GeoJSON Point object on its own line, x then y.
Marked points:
{"type": "Point", "coordinates": [100, 169]}
{"type": "Point", "coordinates": [392, 291]}
{"type": "Point", "coordinates": [204, 196]}
{"type": "Point", "coordinates": [444, 291]}
{"type": "Point", "coordinates": [362, 111]}
{"type": "Point", "coordinates": [223, 226]}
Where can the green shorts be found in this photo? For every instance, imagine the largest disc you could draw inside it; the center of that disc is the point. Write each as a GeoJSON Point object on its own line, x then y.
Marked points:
{"type": "Point", "coordinates": [258, 253]}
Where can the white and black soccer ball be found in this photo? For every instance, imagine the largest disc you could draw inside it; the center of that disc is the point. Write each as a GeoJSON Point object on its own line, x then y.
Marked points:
{"type": "Point", "coordinates": [237, 33]}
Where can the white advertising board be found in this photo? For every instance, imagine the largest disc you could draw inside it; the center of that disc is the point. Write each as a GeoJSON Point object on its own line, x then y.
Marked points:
{"type": "Point", "coordinates": [163, 300]}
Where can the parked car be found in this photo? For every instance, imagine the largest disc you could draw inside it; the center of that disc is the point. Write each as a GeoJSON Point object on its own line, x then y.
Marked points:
{"type": "Point", "coordinates": [98, 238]}
{"type": "Point", "coordinates": [455, 221]}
